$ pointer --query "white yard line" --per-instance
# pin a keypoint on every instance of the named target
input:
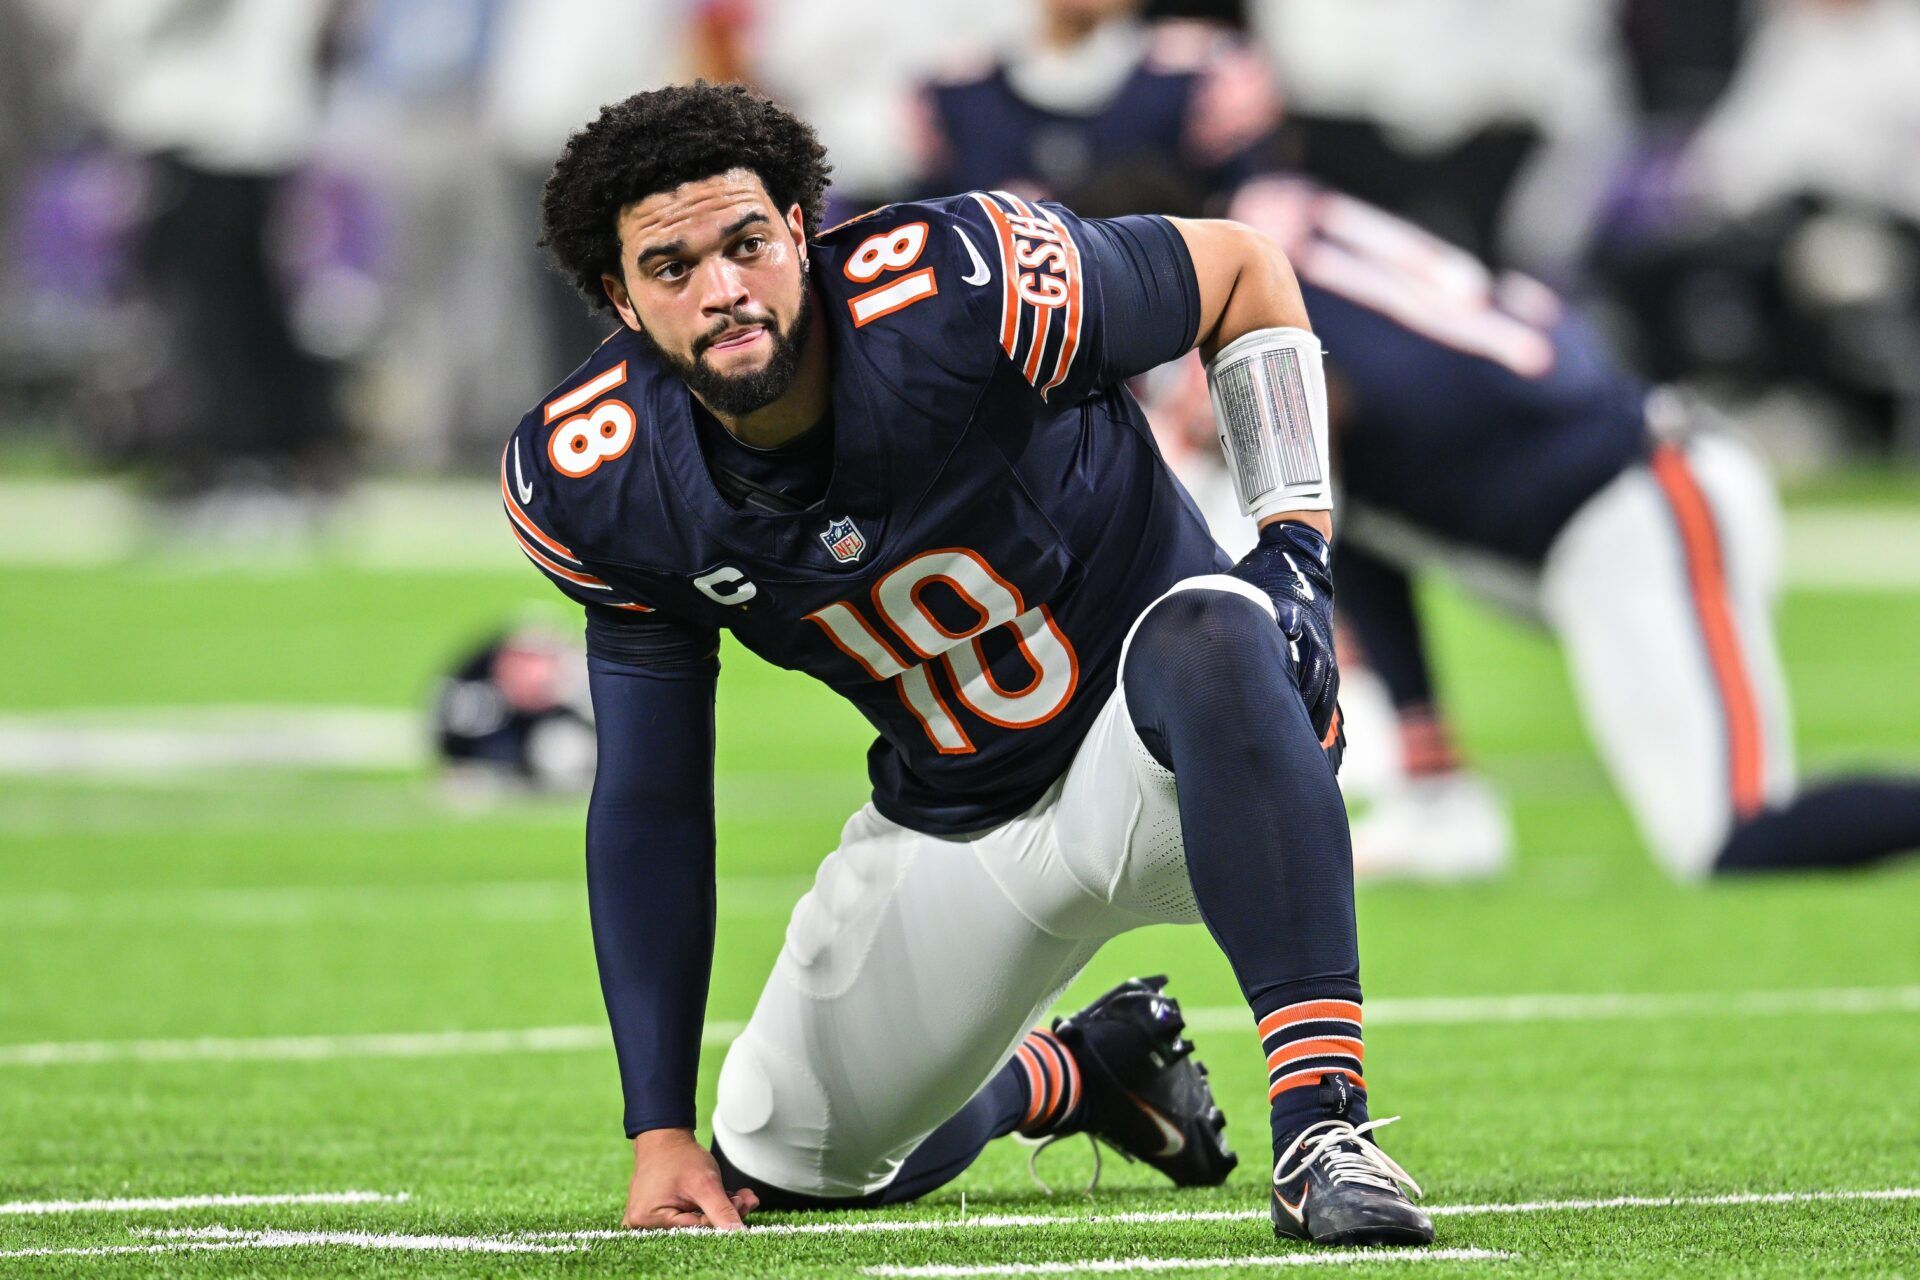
(424, 1044)
(1672, 1202)
(1441, 1011)
(510, 901)
(169, 740)
(213, 1239)
(151, 1204)
(1108, 1266)
(1417, 1011)
(1007, 1221)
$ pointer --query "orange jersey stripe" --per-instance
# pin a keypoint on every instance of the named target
(525, 521)
(1042, 316)
(1706, 579)
(1309, 1011)
(1009, 295)
(583, 579)
(1070, 343)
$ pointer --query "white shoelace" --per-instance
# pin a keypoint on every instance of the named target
(1037, 1145)
(1337, 1146)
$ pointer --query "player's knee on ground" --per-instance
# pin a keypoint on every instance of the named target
(1201, 659)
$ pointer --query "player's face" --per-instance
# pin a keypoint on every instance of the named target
(714, 276)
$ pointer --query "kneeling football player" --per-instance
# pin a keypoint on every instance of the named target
(898, 455)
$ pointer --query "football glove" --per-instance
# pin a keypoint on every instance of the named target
(1291, 563)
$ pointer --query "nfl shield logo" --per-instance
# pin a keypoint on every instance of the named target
(844, 540)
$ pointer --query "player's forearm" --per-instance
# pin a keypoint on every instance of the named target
(1247, 286)
(650, 884)
(653, 943)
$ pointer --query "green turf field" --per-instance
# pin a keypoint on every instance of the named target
(267, 982)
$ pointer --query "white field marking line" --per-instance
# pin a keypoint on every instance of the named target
(1440, 1011)
(167, 740)
(1108, 1266)
(1003, 1221)
(214, 1239)
(1672, 1202)
(152, 1204)
(425, 1044)
(1434, 1011)
(516, 901)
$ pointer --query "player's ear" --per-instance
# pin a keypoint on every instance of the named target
(616, 290)
(797, 224)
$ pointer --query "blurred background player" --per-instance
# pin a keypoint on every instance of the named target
(1483, 432)
(240, 420)
(1096, 107)
(514, 714)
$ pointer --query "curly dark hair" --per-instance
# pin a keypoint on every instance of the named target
(657, 140)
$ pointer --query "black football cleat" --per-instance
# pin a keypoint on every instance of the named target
(1145, 1094)
(1334, 1185)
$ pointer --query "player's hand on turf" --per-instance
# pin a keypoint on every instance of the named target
(677, 1184)
(1291, 564)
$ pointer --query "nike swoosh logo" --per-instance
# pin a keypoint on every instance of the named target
(1297, 1210)
(520, 484)
(979, 274)
(1306, 588)
(1172, 1141)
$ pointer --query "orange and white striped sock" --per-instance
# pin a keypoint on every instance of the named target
(1309, 1039)
(1053, 1083)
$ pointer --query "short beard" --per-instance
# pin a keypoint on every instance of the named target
(737, 395)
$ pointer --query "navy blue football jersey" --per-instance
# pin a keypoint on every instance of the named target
(1470, 404)
(996, 516)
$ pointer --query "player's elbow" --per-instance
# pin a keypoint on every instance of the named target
(1246, 282)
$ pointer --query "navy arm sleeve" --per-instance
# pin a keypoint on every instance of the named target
(650, 877)
(1149, 294)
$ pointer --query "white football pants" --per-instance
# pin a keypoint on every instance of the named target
(1661, 590)
(916, 963)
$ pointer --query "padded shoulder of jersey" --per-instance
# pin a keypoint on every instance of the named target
(561, 464)
(964, 281)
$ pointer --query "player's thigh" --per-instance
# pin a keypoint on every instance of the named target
(1119, 817)
(1666, 628)
(908, 976)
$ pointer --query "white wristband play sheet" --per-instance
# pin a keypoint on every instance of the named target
(1270, 406)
